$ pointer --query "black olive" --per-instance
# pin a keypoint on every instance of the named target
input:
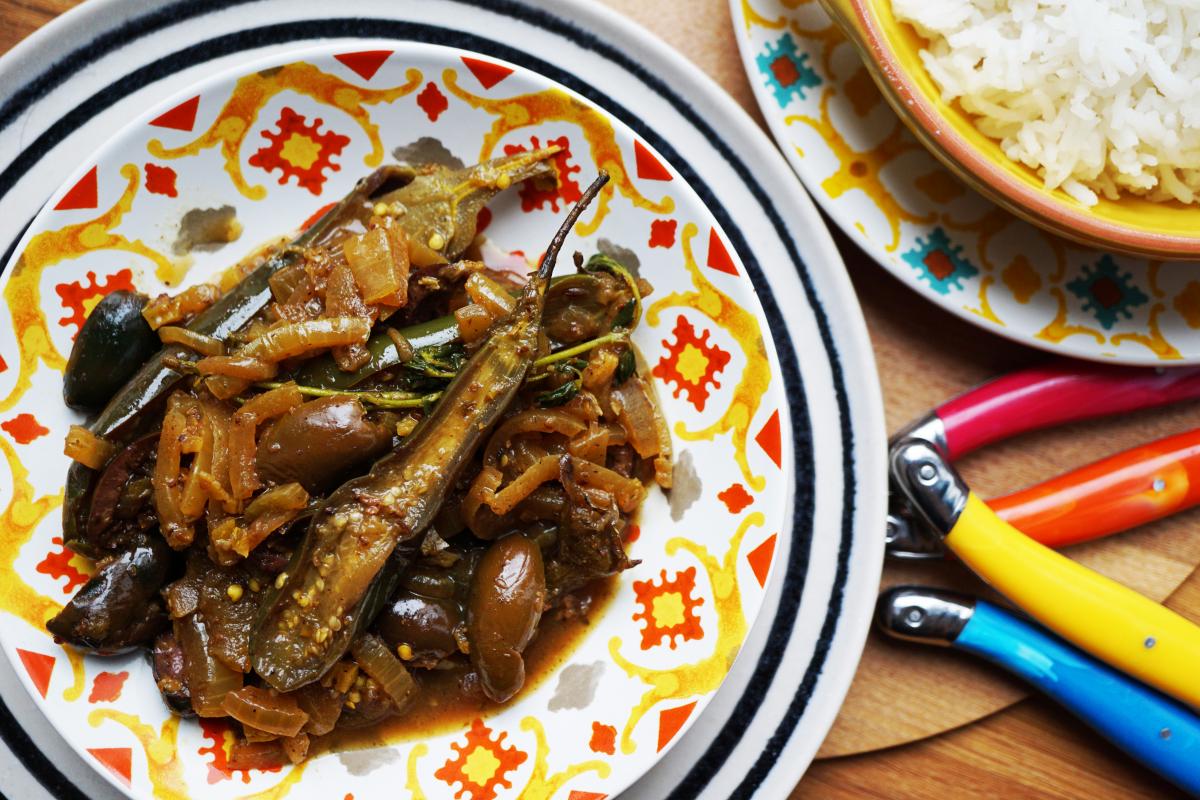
(112, 345)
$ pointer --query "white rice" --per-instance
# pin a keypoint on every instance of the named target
(1100, 97)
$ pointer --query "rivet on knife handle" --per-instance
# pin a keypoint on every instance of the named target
(1099, 615)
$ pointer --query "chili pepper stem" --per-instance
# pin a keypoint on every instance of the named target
(383, 399)
(591, 344)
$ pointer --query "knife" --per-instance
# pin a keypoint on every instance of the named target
(1157, 731)
(1045, 396)
(1100, 616)
(1113, 494)
(1028, 400)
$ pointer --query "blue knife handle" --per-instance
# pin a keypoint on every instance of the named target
(1159, 732)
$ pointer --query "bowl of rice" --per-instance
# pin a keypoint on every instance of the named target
(1080, 116)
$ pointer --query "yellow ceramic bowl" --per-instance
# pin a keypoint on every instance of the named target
(1161, 230)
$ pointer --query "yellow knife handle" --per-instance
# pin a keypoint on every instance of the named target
(1112, 622)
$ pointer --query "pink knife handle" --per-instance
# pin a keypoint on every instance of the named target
(1055, 394)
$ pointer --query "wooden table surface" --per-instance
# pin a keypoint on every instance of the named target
(924, 355)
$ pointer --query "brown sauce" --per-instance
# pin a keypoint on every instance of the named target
(442, 707)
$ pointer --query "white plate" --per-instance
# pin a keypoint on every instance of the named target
(946, 242)
(795, 666)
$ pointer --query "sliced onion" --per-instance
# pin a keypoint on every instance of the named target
(628, 491)
(270, 404)
(87, 448)
(505, 500)
(167, 470)
(209, 680)
(266, 710)
(241, 367)
(197, 342)
(375, 659)
(533, 420)
(298, 338)
(601, 366)
(256, 755)
(287, 497)
(489, 294)
(592, 446)
(286, 281)
(243, 472)
(167, 309)
(375, 258)
(323, 704)
(473, 321)
(295, 747)
(195, 493)
(637, 416)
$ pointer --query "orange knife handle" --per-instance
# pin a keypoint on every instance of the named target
(1114, 494)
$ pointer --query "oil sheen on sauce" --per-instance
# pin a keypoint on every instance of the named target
(442, 707)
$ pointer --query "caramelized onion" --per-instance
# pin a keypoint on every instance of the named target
(167, 470)
(297, 338)
(489, 294)
(243, 368)
(197, 342)
(256, 755)
(87, 448)
(167, 310)
(375, 659)
(209, 680)
(379, 261)
(473, 321)
(265, 710)
(533, 420)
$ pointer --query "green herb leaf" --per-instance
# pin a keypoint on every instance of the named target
(624, 317)
(626, 366)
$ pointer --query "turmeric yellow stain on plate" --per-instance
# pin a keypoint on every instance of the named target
(17, 524)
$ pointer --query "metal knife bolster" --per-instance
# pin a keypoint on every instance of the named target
(935, 491)
(930, 428)
(921, 614)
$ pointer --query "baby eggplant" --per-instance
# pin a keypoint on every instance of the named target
(320, 441)
(120, 512)
(119, 608)
(111, 346)
(426, 625)
(508, 593)
(309, 621)
(170, 673)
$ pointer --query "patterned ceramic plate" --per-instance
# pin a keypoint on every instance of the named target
(924, 226)
(776, 513)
